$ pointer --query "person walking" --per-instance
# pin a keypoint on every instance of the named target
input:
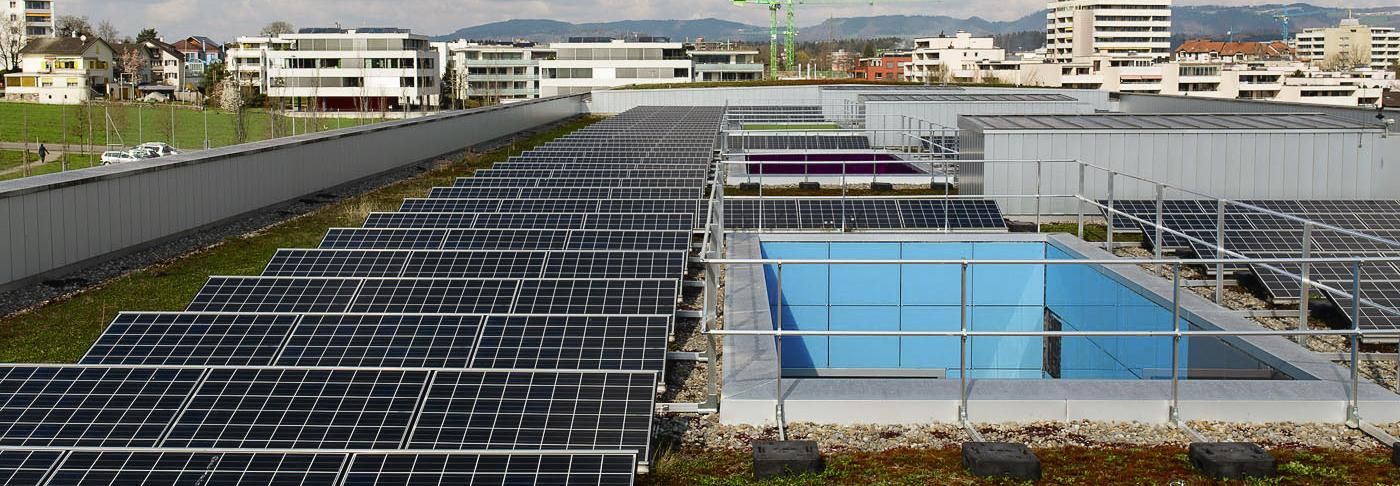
(43, 153)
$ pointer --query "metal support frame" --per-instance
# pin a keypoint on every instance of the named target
(1079, 203)
(1220, 251)
(1305, 290)
(1112, 213)
(778, 346)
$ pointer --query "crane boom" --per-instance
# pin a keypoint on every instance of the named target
(790, 34)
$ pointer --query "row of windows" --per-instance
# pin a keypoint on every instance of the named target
(361, 44)
(357, 63)
(347, 82)
(652, 73)
(620, 54)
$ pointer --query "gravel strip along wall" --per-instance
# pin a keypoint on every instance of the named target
(59, 223)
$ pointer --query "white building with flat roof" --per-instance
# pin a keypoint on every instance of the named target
(495, 72)
(359, 70)
(249, 59)
(1350, 44)
(587, 64)
(714, 63)
(22, 21)
(1118, 29)
(945, 59)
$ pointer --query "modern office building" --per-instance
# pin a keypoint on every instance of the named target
(585, 64)
(1350, 45)
(332, 69)
(714, 62)
(1122, 30)
(494, 72)
(955, 58)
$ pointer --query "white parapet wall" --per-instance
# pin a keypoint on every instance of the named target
(57, 223)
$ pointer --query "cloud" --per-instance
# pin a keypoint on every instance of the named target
(226, 19)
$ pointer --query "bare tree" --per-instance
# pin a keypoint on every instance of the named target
(11, 41)
(133, 64)
(277, 28)
(108, 32)
(1346, 60)
(230, 98)
(71, 25)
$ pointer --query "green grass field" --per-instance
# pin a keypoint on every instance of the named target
(133, 124)
(10, 162)
(62, 330)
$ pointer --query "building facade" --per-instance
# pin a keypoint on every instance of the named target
(349, 70)
(713, 63)
(888, 66)
(943, 58)
(199, 52)
(1219, 51)
(21, 21)
(585, 64)
(494, 72)
(161, 70)
(1350, 45)
(1121, 30)
(63, 71)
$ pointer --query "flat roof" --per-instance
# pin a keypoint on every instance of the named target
(889, 87)
(1166, 121)
(964, 97)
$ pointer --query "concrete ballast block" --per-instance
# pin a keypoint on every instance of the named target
(780, 458)
(809, 186)
(1232, 460)
(1001, 459)
(748, 186)
(881, 186)
(1395, 454)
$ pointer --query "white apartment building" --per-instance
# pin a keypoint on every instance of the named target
(355, 70)
(1350, 45)
(720, 63)
(250, 59)
(495, 72)
(944, 59)
(587, 64)
(62, 71)
(22, 20)
(1121, 30)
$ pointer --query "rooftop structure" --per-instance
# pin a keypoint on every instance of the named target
(1350, 45)
(944, 59)
(1121, 30)
(586, 64)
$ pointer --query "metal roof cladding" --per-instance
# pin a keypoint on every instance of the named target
(890, 87)
(964, 97)
(1165, 121)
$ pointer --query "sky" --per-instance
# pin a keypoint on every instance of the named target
(225, 19)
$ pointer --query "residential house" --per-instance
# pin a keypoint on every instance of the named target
(250, 58)
(200, 52)
(944, 58)
(68, 70)
(1213, 51)
(495, 71)
(366, 69)
(720, 62)
(888, 66)
(163, 70)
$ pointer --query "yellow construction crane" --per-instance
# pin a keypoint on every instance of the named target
(790, 36)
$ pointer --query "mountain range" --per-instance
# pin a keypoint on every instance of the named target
(1256, 22)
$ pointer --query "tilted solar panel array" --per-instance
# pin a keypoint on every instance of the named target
(1257, 234)
(485, 335)
(854, 214)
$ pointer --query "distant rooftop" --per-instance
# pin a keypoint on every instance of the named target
(361, 30)
(890, 87)
(1173, 121)
(964, 97)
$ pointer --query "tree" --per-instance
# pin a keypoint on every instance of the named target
(11, 41)
(108, 32)
(213, 75)
(147, 34)
(133, 65)
(230, 98)
(71, 25)
(277, 28)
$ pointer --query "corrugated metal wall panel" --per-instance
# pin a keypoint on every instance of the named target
(61, 220)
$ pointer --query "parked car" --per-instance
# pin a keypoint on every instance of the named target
(160, 148)
(143, 153)
(117, 157)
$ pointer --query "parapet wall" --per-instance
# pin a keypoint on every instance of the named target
(56, 223)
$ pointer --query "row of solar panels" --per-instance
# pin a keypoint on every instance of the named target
(1257, 234)
(856, 214)
(584, 221)
(605, 206)
(173, 467)
(393, 342)
(798, 142)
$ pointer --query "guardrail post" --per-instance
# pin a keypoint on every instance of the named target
(1079, 203)
(1305, 289)
(1354, 407)
(1108, 224)
(1220, 251)
(962, 348)
(761, 171)
(1157, 234)
(1174, 412)
(778, 347)
(1038, 192)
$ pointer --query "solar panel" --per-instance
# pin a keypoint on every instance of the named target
(525, 410)
(421, 220)
(576, 183)
(26, 467)
(382, 341)
(435, 296)
(629, 240)
(191, 339)
(274, 294)
(862, 214)
(529, 220)
(475, 264)
(502, 239)
(450, 205)
(187, 467)
(575, 469)
(383, 239)
(335, 263)
(573, 343)
(646, 297)
(72, 406)
(615, 264)
(279, 408)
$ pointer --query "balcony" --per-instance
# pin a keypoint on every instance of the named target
(501, 62)
(729, 68)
